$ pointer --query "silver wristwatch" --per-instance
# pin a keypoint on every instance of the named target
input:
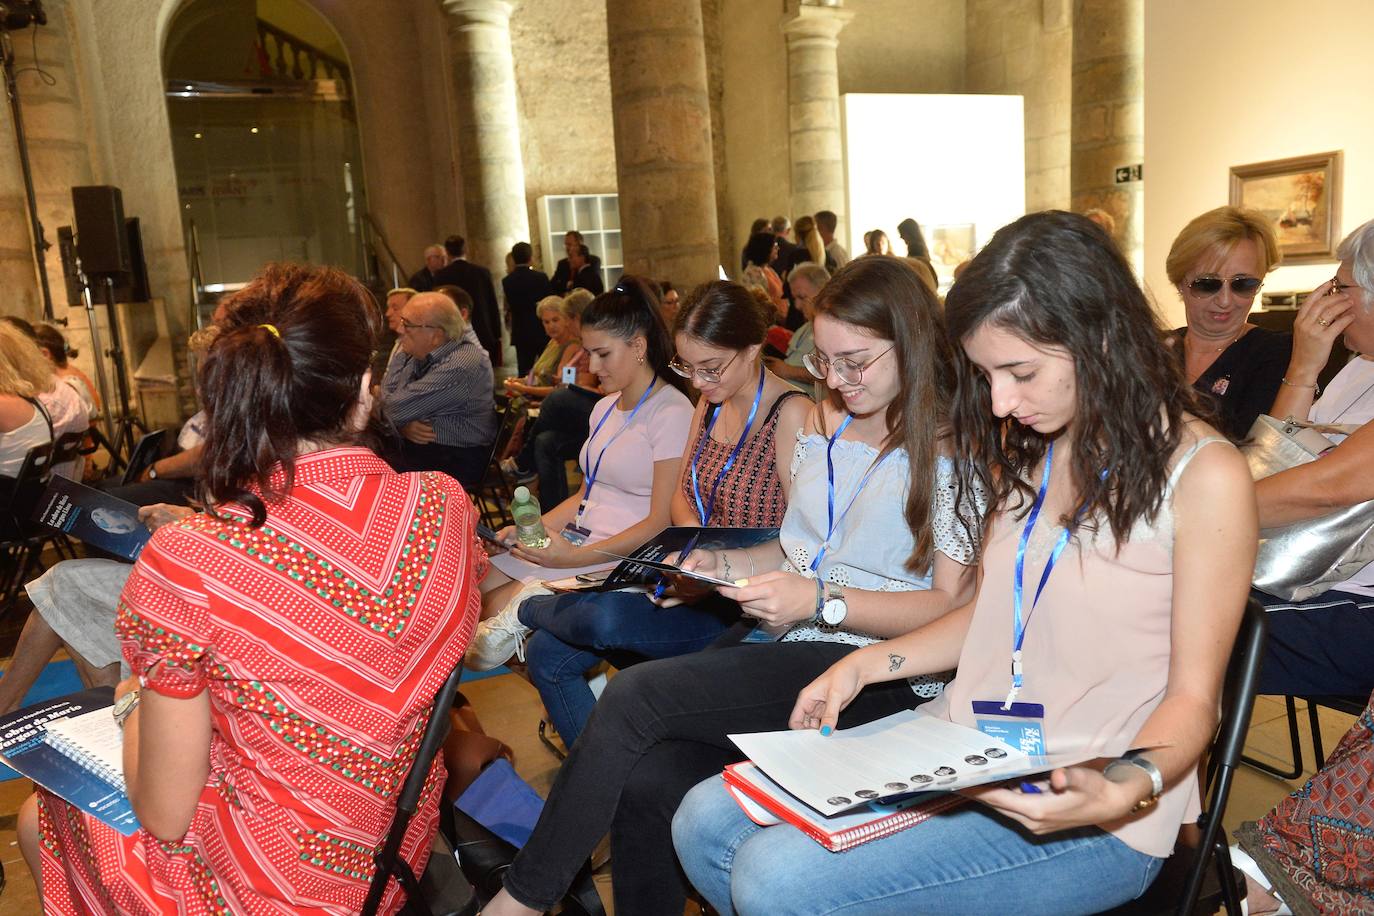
(1136, 759)
(125, 706)
(833, 608)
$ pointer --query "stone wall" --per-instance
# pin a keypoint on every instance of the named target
(903, 46)
(562, 77)
(1024, 47)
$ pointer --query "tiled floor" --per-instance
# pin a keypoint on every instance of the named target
(509, 708)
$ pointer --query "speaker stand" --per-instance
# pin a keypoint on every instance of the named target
(120, 421)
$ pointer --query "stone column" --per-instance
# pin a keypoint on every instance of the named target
(1108, 128)
(661, 108)
(492, 171)
(813, 107)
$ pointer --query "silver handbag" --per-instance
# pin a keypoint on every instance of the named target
(1305, 559)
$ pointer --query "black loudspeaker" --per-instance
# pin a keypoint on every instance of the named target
(101, 237)
(66, 246)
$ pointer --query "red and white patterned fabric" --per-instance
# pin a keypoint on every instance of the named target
(322, 637)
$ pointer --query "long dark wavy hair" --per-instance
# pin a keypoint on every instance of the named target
(885, 298)
(1055, 279)
(264, 392)
(630, 309)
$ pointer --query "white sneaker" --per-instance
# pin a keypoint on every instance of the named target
(498, 639)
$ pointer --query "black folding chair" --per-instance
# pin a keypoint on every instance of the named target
(21, 540)
(494, 494)
(1179, 888)
(1350, 705)
(442, 890)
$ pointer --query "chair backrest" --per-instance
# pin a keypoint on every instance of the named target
(389, 861)
(21, 492)
(1238, 700)
(145, 453)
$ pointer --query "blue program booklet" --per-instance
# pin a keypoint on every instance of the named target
(72, 772)
(92, 516)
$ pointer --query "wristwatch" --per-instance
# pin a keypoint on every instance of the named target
(832, 607)
(152, 471)
(1136, 759)
(124, 706)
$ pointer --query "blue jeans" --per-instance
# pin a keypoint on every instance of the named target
(968, 860)
(574, 632)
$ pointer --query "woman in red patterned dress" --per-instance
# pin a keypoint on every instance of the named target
(288, 643)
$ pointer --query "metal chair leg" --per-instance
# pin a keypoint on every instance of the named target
(1290, 707)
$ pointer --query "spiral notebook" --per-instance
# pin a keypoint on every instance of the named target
(95, 741)
(767, 803)
(72, 747)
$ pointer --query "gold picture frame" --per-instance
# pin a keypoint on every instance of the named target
(1302, 197)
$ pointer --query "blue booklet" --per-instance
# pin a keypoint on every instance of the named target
(75, 772)
(92, 516)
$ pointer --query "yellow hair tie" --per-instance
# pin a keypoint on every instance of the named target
(273, 329)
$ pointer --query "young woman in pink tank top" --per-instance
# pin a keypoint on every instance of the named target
(1116, 554)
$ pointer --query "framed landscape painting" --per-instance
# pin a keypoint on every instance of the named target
(1302, 198)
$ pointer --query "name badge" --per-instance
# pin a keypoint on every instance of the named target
(575, 534)
(1022, 726)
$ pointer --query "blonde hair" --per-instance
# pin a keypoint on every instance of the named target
(1211, 237)
(810, 238)
(556, 303)
(24, 371)
(576, 301)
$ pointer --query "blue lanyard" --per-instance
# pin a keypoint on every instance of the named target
(594, 469)
(832, 521)
(1018, 625)
(704, 512)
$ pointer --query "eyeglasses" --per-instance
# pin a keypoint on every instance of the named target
(846, 370)
(408, 325)
(1209, 285)
(708, 376)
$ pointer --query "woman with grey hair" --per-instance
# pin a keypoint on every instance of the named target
(1325, 644)
(563, 328)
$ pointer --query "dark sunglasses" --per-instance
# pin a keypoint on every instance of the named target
(1211, 285)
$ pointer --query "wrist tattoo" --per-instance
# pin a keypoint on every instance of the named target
(894, 661)
(725, 561)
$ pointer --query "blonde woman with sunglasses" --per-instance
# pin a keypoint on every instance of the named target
(1217, 264)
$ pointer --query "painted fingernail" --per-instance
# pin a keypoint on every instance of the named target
(825, 731)
(741, 583)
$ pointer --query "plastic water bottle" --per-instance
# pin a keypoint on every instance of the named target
(529, 521)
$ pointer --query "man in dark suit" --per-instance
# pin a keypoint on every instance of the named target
(564, 276)
(422, 281)
(475, 280)
(781, 227)
(524, 287)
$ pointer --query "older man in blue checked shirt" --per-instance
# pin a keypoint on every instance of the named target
(438, 392)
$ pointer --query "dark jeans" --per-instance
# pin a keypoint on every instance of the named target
(659, 729)
(464, 463)
(574, 632)
(1324, 645)
(556, 436)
